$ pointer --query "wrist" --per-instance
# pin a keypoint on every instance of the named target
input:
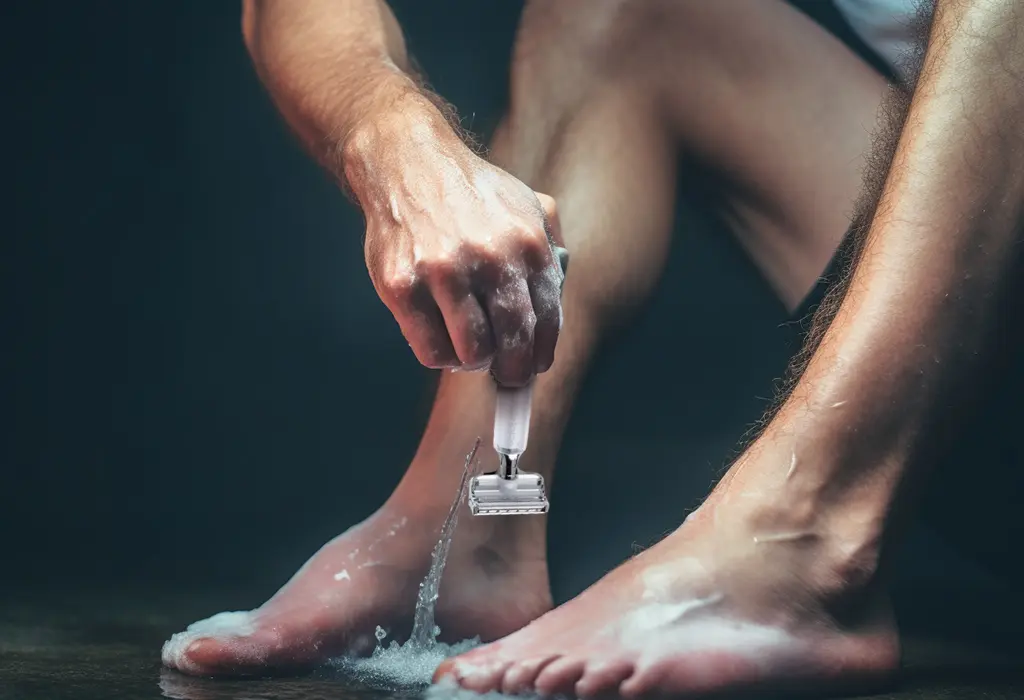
(379, 149)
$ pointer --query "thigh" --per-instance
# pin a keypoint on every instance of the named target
(780, 112)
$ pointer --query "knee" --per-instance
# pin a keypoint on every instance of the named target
(565, 48)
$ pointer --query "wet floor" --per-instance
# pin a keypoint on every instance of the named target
(106, 646)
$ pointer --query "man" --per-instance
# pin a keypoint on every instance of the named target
(777, 577)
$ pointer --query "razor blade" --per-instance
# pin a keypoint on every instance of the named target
(507, 492)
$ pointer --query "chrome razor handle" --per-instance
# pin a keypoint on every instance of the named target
(508, 467)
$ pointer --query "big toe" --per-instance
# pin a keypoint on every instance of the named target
(480, 670)
(225, 644)
(209, 656)
(445, 671)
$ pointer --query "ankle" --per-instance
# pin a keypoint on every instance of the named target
(814, 471)
(820, 509)
(497, 541)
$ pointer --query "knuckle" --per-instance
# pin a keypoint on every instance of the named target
(437, 266)
(502, 304)
(550, 207)
(548, 316)
(473, 255)
(401, 284)
(533, 242)
(519, 334)
(534, 235)
(510, 311)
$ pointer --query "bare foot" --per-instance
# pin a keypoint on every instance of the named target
(370, 576)
(740, 596)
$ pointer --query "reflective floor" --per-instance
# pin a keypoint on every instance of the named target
(106, 645)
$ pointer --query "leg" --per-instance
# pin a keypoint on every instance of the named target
(610, 165)
(741, 593)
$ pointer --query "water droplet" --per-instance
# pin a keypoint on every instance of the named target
(380, 633)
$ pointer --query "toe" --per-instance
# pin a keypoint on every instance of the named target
(177, 653)
(209, 644)
(560, 676)
(603, 678)
(228, 656)
(208, 656)
(521, 676)
(481, 670)
(445, 670)
(483, 678)
(649, 679)
(198, 656)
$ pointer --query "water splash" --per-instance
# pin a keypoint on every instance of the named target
(399, 666)
(424, 631)
(413, 663)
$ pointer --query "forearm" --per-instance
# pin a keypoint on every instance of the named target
(941, 250)
(337, 69)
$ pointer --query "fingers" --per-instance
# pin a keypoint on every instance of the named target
(467, 323)
(427, 333)
(545, 292)
(412, 303)
(513, 331)
(526, 311)
(481, 303)
(510, 311)
(494, 327)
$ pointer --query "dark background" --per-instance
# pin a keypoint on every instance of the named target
(202, 386)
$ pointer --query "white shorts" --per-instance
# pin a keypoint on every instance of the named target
(884, 25)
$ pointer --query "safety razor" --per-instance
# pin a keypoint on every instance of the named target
(509, 491)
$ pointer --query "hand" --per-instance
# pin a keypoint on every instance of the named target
(461, 253)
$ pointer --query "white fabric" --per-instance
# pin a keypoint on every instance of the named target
(884, 25)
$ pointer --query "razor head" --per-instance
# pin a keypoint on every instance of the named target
(490, 494)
